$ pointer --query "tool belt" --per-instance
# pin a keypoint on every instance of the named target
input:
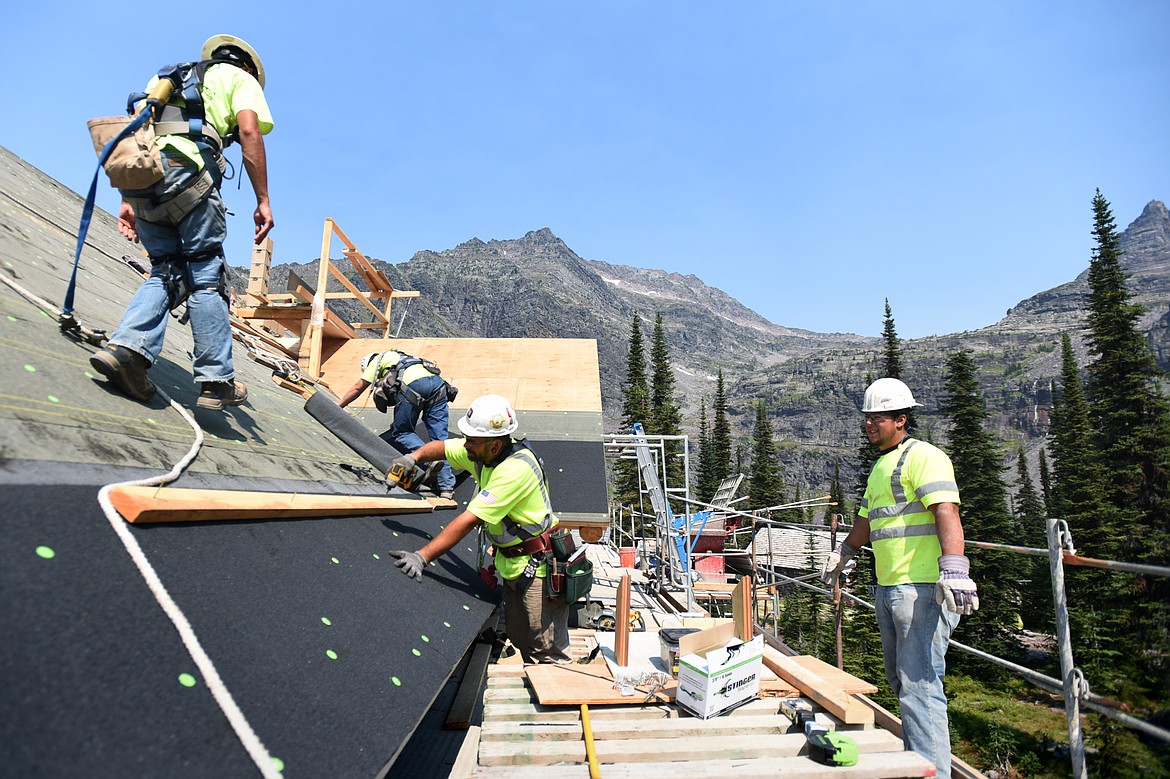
(533, 546)
(568, 574)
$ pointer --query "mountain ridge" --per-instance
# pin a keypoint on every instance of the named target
(537, 286)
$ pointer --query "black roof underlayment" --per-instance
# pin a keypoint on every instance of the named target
(331, 655)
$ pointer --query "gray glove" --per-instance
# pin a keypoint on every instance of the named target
(955, 588)
(411, 563)
(837, 563)
(401, 468)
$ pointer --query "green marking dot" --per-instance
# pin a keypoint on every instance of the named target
(426, 638)
(325, 621)
(330, 654)
(416, 653)
(278, 764)
(376, 556)
(335, 561)
(150, 421)
(30, 369)
(433, 563)
(46, 552)
(446, 624)
(187, 680)
(466, 607)
(54, 399)
(11, 318)
(396, 680)
(395, 532)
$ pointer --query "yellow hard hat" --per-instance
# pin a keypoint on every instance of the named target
(216, 42)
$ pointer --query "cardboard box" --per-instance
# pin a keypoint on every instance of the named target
(717, 671)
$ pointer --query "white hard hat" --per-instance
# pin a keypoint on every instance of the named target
(219, 41)
(888, 395)
(369, 358)
(488, 416)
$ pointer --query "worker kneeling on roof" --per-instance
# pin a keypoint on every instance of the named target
(414, 388)
(513, 508)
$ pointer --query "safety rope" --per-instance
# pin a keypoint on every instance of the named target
(247, 736)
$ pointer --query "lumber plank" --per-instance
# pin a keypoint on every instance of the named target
(621, 635)
(834, 700)
(459, 715)
(834, 675)
(468, 755)
(741, 609)
(141, 505)
(882, 765)
(729, 747)
(592, 684)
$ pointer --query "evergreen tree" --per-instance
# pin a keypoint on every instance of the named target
(721, 435)
(1132, 432)
(1078, 498)
(1045, 483)
(1036, 607)
(836, 494)
(635, 409)
(764, 487)
(892, 349)
(977, 460)
(705, 481)
(665, 412)
(866, 453)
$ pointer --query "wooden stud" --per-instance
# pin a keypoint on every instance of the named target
(741, 609)
(621, 634)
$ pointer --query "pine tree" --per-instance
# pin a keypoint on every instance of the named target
(665, 412)
(635, 409)
(705, 484)
(978, 470)
(1078, 498)
(1132, 432)
(1045, 483)
(765, 486)
(892, 349)
(720, 435)
(1036, 607)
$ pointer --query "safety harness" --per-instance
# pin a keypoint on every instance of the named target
(515, 539)
(187, 119)
(389, 386)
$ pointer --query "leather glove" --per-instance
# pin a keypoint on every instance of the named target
(955, 588)
(411, 563)
(836, 563)
(400, 467)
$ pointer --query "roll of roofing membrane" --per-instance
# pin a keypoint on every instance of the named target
(352, 432)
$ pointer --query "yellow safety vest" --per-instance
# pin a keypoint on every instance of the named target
(904, 483)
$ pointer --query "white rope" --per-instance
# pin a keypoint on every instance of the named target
(219, 691)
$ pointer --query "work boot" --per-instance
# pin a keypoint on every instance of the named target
(216, 395)
(447, 494)
(126, 370)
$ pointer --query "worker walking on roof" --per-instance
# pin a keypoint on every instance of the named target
(415, 389)
(513, 508)
(181, 223)
(910, 516)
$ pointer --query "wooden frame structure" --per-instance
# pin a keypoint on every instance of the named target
(305, 313)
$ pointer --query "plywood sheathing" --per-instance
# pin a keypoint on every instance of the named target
(535, 374)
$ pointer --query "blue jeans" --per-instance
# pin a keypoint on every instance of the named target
(435, 418)
(915, 634)
(144, 323)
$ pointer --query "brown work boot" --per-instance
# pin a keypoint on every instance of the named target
(126, 370)
(216, 395)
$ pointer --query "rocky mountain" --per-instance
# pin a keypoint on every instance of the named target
(536, 286)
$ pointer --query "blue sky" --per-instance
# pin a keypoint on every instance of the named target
(811, 158)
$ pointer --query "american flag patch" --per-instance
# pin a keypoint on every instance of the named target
(487, 497)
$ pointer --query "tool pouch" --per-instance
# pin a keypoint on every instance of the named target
(554, 579)
(135, 163)
(578, 579)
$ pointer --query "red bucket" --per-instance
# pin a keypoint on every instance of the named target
(626, 555)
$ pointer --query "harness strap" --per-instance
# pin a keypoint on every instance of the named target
(174, 210)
